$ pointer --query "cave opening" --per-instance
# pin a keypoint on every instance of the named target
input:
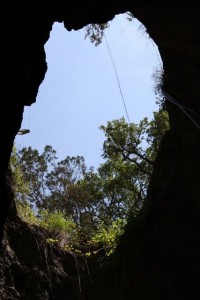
(159, 258)
(80, 91)
(86, 87)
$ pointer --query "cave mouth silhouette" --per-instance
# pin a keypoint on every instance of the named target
(161, 260)
(65, 71)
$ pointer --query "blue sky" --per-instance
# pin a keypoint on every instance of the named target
(80, 90)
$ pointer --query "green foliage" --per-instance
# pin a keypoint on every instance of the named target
(155, 131)
(21, 187)
(131, 150)
(34, 168)
(56, 222)
(107, 237)
(26, 213)
(52, 241)
(95, 32)
(78, 205)
(65, 192)
(59, 227)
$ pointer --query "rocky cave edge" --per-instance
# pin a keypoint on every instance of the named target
(159, 258)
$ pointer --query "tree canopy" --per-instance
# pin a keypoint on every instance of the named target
(92, 199)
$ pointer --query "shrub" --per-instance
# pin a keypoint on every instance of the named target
(57, 223)
(26, 213)
(107, 237)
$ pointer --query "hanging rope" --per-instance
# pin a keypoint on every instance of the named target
(117, 77)
(186, 110)
(183, 108)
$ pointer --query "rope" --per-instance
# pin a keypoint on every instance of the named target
(117, 77)
(183, 108)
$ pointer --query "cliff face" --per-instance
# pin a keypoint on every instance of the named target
(160, 257)
(32, 268)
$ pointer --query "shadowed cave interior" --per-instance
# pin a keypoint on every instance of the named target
(158, 257)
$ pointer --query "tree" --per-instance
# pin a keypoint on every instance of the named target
(131, 150)
(65, 192)
(117, 187)
(34, 169)
(134, 147)
(21, 188)
(95, 32)
(120, 183)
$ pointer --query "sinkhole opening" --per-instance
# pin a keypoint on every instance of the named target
(89, 155)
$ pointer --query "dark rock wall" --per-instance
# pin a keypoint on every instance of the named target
(33, 269)
(173, 221)
(167, 264)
